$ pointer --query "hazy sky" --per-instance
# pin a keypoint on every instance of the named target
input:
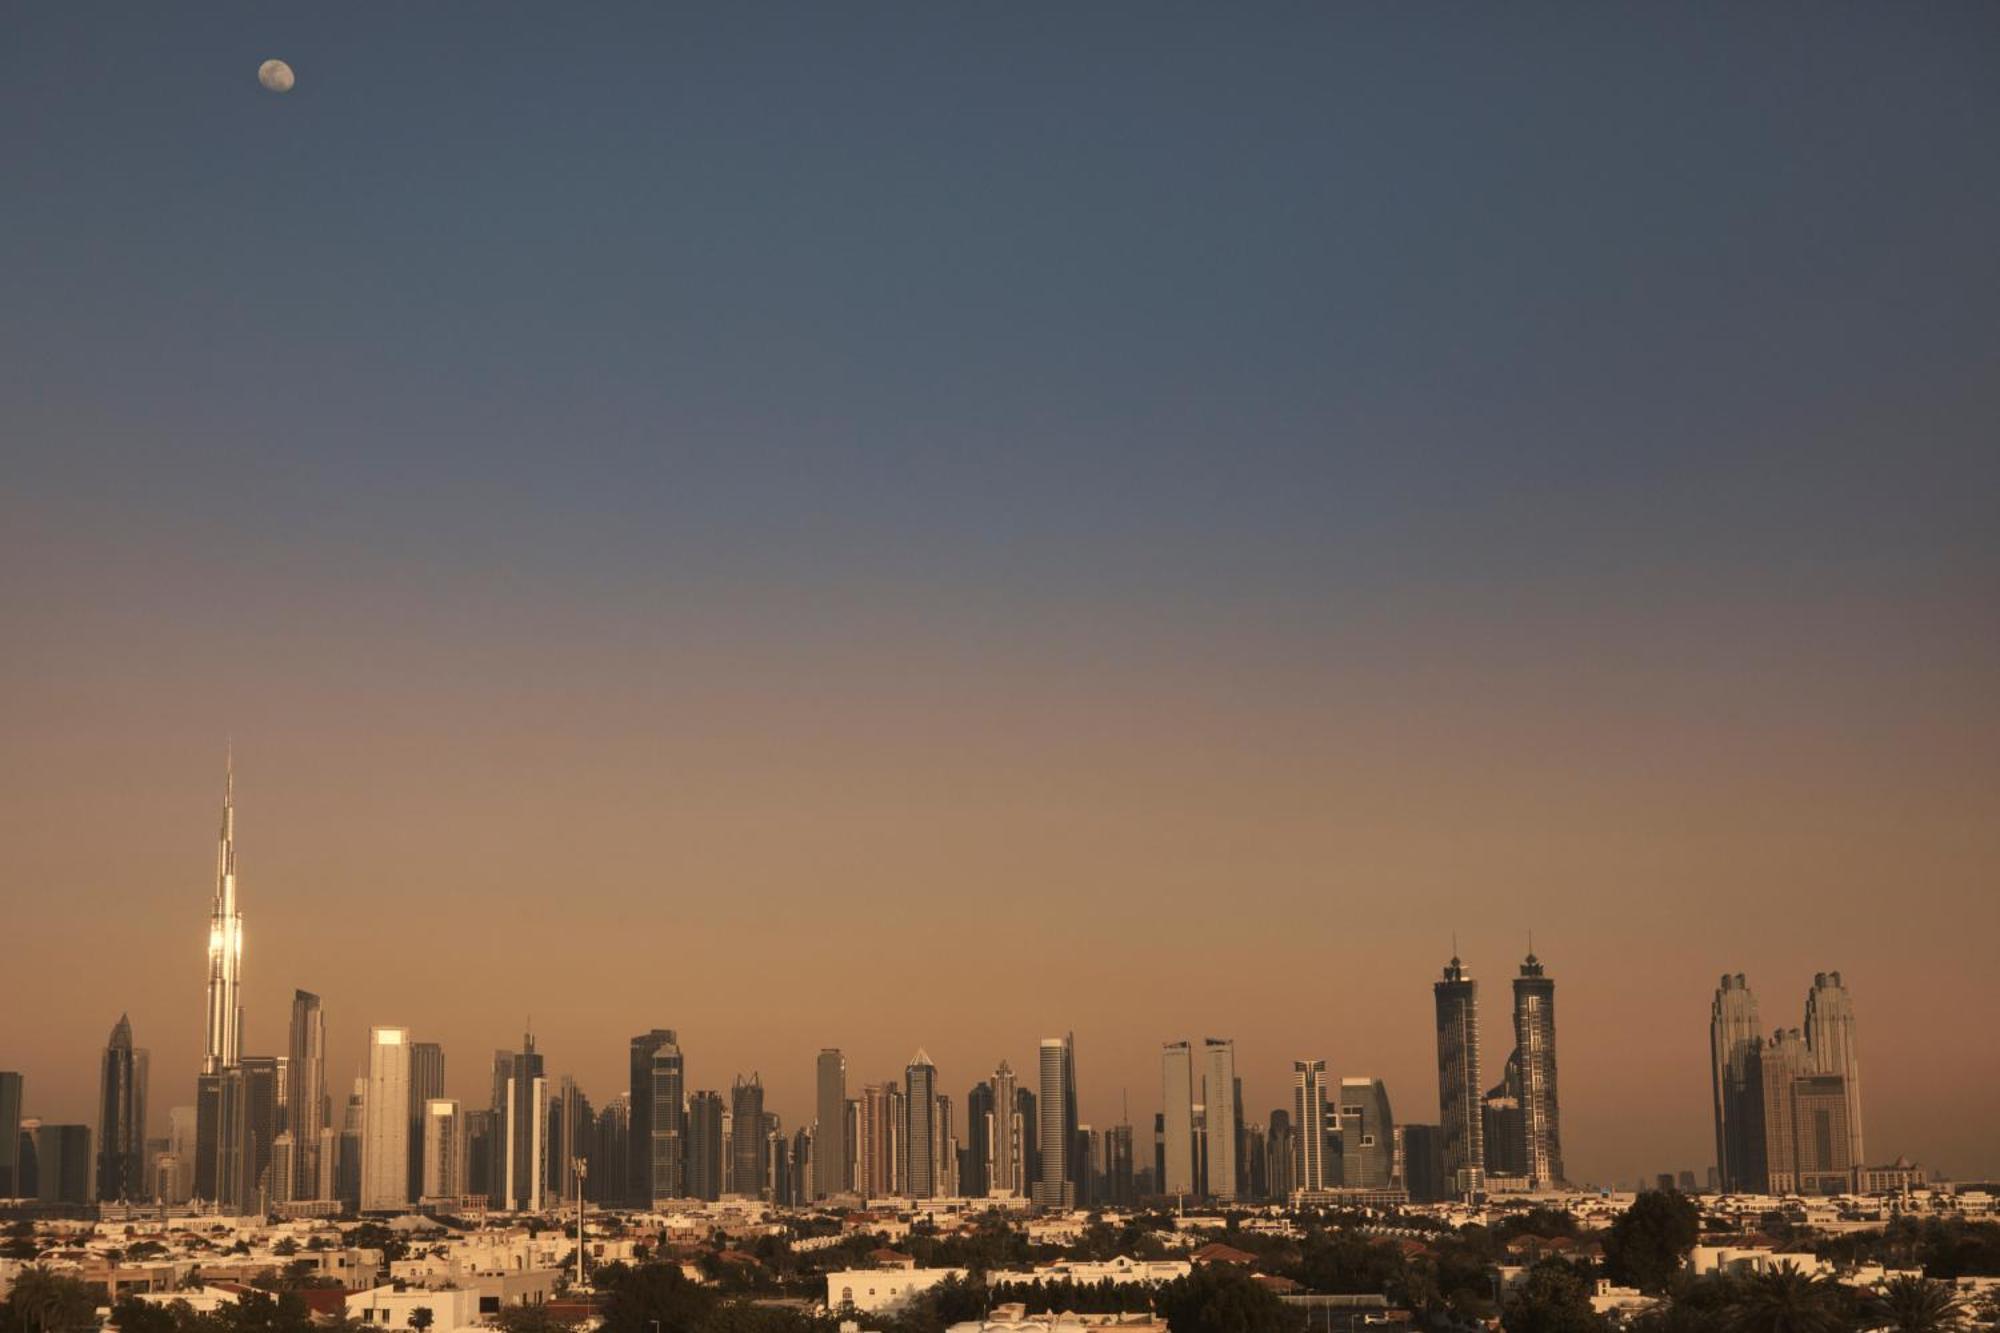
(931, 525)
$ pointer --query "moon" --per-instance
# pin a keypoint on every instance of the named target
(276, 76)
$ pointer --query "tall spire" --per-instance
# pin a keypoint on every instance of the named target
(223, 1044)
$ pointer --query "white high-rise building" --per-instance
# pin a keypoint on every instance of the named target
(1004, 1156)
(444, 1149)
(1309, 1124)
(1219, 1076)
(1830, 1040)
(385, 1122)
(1177, 1102)
(223, 1047)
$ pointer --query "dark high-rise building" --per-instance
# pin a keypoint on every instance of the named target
(751, 1150)
(666, 1120)
(254, 1122)
(1423, 1163)
(306, 1099)
(426, 1083)
(1257, 1179)
(1031, 1143)
(920, 1130)
(976, 1169)
(609, 1175)
(639, 1180)
(347, 1171)
(1502, 1127)
(11, 1084)
(1120, 1188)
(483, 1147)
(1281, 1154)
(572, 1135)
(62, 1164)
(1159, 1172)
(1459, 1107)
(829, 1139)
(705, 1145)
(1735, 1043)
(121, 1119)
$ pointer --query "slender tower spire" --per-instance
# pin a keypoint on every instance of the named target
(223, 1046)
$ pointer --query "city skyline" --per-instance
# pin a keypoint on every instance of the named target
(1508, 1146)
(935, 528)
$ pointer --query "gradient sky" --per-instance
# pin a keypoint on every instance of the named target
(907, 525)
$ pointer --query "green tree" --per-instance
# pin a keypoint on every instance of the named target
(43, 1301)
(1647, 1244)
(421, 1318)
(133, 1315)
(1220, 1298)
(637, 1298)
(1554, 1297)
(1786, 1299)
(1917, 1305)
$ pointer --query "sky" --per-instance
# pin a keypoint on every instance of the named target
(917, 525)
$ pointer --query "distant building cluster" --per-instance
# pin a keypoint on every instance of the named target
(266, 1134)
(1787, 1107)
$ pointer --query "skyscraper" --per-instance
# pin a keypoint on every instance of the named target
(921, 1127)
(1177, 1098)
(1780, 1065)
(1006, 1165)
(121, 1118)
(1282, 1167)
(1224, 1116)
(426, 1085)
(1308, 1125)
(1119, 1186)
(305, 1098)
(1367, 1135)
(829, 1142)
(1735, 1043)
(1829, 1031)
(1055, 1185)
(705, 1141)
(222, 1041)
(444, 1149)
(609, 1178)
(385, 1122)
(1459, 1105)
(666, 1117)
(11, 1086)
(526, 1130)
(750, 1153)
(1535, 1069)
(640, 1190)
(975, 1174)
(62, 1164)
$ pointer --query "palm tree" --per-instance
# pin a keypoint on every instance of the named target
(1786, 1299)
(1911, 1304)
(48, 1301)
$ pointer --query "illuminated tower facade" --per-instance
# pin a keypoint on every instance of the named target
(224, 1046)
(1459, 1105)
(1535, 1061)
